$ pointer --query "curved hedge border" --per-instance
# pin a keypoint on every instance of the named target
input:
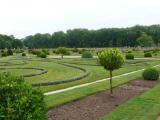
(82, 64)
(55, 82)
(43, 71)
(11, 63)
(5, 63)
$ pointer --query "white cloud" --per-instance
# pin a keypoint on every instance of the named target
(25, 17)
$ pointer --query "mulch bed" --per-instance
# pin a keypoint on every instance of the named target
(96, 106)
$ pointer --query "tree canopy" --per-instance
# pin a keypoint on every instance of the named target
(74, 38)
(9, 42)
(106, 37)
(145, 41)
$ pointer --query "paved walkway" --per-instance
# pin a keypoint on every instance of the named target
(87, 84)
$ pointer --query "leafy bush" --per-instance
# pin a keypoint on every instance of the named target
(147, 54)
(151, 74)
(46, 51)
(23, 54)
(87, 54)
(129, 56)
(35, 52)
(19, 101)
(42, 55)
(9, 52)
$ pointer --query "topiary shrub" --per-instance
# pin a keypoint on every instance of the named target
(151, 74)
(9, 52)
(19, 101)
(46, 51)
(129, 56)
(147, 54)
(42, 55)
(111, 59)
(23, 54)
(87, 54)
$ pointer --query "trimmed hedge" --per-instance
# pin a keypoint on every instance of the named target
(151, 74)
(43, 71)
(147, 54)
(23, 54)
(87, 54)
(55, 82)
(42, 55)
(10, 63)
(129, 56)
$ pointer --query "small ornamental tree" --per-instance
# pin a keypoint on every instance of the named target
(62, 51)
(19, 101)
(111, 59)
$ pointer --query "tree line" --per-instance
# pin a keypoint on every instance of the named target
(105, 37)
(10, 42)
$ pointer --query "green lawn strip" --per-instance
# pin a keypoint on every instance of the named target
(55, 72)
(69, 96)
(97, 73)
(144, 107)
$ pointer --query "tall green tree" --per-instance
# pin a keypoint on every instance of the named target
(145, 40)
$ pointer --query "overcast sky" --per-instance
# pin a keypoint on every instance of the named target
(26, 17)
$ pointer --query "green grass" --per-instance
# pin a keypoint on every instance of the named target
(20, 71)
(69, 96)
(97, 73)
(60, 72)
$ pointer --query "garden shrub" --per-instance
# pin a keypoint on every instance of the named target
(87, 54)
(19, 101)
(9, 52)
(42, 55)
(23, 54)
(129, 56)
(147, 54)
(46, 51)
(151, 74)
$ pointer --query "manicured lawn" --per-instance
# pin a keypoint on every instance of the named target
(69, 96)
(60, 72)
(97, 73)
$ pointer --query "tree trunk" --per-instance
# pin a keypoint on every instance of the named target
(61, 56)
(111, 89)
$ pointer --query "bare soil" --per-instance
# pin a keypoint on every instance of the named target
(96, 106)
